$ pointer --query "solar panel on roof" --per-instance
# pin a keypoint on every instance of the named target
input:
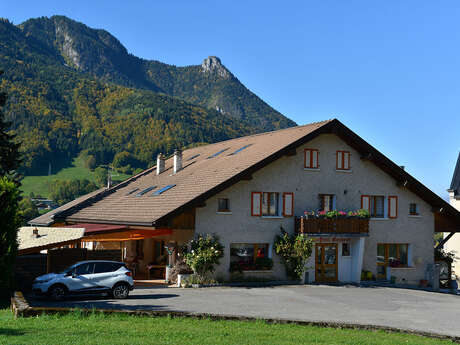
(131, 192)
(146, 190)
(164, 189)
(240, 149)
(218, 153)
(193, 157)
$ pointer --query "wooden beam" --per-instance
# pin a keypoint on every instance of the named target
(291, 152)
(444, 240)
(247, 177)
(366, 157)
(402, 183)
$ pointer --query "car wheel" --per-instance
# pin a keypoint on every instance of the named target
(57, 292)
(120, 291)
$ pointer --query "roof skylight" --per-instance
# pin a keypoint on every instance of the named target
(193, 157)
(164, 189)
(240, 149)
(132, 191)
(218, 153)
(146, 190)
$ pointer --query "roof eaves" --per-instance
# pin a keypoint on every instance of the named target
(325, 127)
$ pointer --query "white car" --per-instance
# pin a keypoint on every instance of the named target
(86, 277)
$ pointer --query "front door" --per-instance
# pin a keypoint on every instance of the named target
(326, 262)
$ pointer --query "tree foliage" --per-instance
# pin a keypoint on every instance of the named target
(68, 190)
(294, 250)
(100, 175)
(27, 210)
(10, 222)
(106, 101)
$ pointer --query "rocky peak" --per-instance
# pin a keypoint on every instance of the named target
(212, 64)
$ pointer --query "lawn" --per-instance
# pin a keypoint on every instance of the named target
(76, 328)
(39, 184)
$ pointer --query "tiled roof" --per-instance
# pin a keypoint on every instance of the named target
(47, 236)
(455, 184)
(200, 174)
(47, 218)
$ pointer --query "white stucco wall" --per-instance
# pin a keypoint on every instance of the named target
(453, 244)
(288, 175)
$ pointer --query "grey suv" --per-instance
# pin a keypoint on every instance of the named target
(87, 277)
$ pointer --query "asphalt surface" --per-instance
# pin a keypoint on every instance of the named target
(391, 307)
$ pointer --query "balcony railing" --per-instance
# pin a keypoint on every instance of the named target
(306, 225)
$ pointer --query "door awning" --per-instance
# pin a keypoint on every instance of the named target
(128, 235)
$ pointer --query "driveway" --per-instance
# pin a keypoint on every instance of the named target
(400, 308)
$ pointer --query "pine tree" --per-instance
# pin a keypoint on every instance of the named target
(9, 149)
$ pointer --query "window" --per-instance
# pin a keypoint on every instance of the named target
(270, 204)
(326, 202)
(164, 189)
(240, 149)
(311, 159)
(413, 209)
(104, 267)
(391, 254)
(346, 249)
(377, 205)
(84, 269)
(146, 190)
(223, 205)
(343, 160)
(217, 153)
(249, 257)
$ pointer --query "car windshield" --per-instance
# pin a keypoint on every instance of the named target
(68, 269)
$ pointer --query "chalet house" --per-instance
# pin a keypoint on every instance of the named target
(245, 190)
(453, 245)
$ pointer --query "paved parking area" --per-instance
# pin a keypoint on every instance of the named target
(401, 308)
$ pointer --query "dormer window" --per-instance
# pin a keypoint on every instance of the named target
(311, 159)
(343, 160)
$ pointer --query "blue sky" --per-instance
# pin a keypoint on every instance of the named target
(390, 70)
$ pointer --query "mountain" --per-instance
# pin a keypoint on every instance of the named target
(72, 88)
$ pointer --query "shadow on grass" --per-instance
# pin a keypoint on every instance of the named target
(10, 332)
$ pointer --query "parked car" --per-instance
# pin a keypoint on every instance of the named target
(86, 277)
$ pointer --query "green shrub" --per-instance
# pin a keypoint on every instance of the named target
(202, 253)
(10, 222)
(294, 251)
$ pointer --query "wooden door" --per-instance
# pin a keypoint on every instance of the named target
(326, 262)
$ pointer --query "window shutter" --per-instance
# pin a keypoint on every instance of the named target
(314, 159)
(288, 204)
(366, 202)
(256, 203)
(392, 206)
(346, 160)
(339, 160)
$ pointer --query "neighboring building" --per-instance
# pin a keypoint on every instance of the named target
(246, 189)
(453, 244)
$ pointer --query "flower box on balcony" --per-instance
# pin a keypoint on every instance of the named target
(306, 225)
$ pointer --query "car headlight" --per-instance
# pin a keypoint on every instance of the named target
(42, 281)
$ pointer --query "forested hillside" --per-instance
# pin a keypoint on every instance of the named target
(73, 89)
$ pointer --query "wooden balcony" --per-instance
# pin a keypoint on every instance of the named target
(305, 225)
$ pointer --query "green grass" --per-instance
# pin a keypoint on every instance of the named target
(39, 185)
(95, 328)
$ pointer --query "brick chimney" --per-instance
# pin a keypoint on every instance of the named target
(177, 161)
(160, 163)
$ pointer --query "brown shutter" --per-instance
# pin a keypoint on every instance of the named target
(366, 202)
(288, 204)
(392, 206)
(256, 204)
